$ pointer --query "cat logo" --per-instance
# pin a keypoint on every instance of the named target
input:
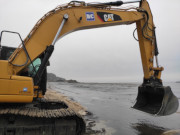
(108, 17)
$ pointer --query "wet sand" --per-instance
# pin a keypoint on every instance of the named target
(110, 112)
(92, 128)
(54, 95)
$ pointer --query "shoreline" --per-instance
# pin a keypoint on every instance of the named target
(93, 125)
(56, 95)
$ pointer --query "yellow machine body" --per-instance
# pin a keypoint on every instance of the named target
(13, 88)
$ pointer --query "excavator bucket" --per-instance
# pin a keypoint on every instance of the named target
(156, 100)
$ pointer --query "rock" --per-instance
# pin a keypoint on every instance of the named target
(72, 81)
(53, 78)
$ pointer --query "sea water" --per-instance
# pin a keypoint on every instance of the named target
(110, 104)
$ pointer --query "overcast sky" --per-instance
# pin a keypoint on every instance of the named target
(99, 55)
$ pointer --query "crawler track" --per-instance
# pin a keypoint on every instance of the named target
(40, 117)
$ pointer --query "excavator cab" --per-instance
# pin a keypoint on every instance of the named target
(156, 99)
(6, 52)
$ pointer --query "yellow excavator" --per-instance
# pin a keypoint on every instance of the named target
(23, 74)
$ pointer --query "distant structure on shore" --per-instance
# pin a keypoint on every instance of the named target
(178, 82)
(53, 78)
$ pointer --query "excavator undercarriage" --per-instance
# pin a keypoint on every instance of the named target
(40, 118)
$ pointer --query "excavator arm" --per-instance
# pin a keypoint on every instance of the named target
(80, 17)
(152, 98)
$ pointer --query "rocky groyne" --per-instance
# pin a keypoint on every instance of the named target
(53, 78)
